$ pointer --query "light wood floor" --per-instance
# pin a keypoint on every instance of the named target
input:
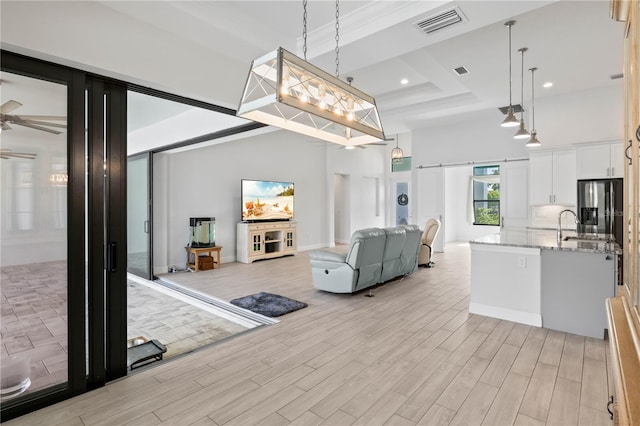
(410, 355)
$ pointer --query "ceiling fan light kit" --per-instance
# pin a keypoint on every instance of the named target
(286, 91)
(510, 120)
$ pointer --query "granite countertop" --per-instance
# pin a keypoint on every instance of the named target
(546, 239)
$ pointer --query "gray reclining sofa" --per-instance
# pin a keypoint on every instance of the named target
(375, 256)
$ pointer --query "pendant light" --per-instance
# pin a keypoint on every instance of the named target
(533, 140)
(522, 133)
(510, 120)
(396, 153)
(286, 91)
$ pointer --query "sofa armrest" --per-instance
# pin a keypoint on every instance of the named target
(327, 256)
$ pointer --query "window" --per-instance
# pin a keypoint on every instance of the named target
(486, 195)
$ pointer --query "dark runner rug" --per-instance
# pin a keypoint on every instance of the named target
(268, 304)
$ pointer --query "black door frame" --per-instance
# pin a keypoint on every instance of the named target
(105, 291)
(95, 357)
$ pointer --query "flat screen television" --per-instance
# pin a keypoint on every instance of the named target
(264, 200)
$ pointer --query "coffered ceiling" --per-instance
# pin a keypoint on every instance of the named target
(574, 44)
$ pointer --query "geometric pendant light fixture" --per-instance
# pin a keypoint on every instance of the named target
(533, 140)
(285, 91)
(522, 133)
(510, 120)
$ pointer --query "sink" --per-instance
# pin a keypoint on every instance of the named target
(588, 238)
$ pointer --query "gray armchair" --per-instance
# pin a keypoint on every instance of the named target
(359, 268)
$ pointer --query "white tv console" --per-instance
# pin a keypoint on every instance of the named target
(265, 240)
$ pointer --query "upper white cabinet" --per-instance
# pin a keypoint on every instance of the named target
(514, 194)
(552, 177)
(599, 161)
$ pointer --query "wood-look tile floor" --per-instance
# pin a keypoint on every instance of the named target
(33, 320)
(411, 355)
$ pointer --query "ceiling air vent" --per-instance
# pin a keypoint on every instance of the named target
(461, 70)
(441, 20)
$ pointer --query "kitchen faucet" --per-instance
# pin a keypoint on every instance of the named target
(560, 222)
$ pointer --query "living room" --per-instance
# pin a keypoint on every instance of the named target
(206, 181)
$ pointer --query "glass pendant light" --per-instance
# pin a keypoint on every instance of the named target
(396, 153)
(510, 120)
(522, 132)
(533, 140)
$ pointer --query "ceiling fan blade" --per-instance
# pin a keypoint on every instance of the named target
(6, 153)
(5, 126)
(25, 156)
(37, 122)
(9, 106)
(43, 117)
(33, 126)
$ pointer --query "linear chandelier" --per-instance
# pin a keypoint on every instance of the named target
(286, 91)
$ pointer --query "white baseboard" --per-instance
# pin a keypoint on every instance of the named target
(506, 314)
(312, 247)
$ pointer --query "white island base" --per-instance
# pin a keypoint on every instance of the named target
(505, 283)
(529, 278)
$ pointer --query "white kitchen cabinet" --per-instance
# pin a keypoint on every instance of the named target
(514, 194)
(552, 177)
(600, 161)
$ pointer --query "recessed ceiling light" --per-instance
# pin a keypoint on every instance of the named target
(547, 84)
(404, 81)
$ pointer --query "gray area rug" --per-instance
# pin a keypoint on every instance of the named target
(268, 304)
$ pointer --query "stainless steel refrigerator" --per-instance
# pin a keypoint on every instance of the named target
(600, 208)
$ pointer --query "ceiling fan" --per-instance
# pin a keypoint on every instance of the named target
(6, 153)
(38, 122)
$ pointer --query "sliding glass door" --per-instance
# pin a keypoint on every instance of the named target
(34, 259)
(139, 233)
(62, 234)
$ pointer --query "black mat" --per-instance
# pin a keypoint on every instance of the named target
(269, 305)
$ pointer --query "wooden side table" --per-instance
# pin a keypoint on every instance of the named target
(196, 252)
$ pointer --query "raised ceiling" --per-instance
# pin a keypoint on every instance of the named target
(573, 43)
(203, 49)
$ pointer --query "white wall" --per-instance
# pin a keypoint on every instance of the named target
(206, 182)
(593, 115)
(342, 208)
(121, 47)
(479, 139)
(366, 172)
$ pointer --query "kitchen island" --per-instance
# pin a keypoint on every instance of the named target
(527, 276)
